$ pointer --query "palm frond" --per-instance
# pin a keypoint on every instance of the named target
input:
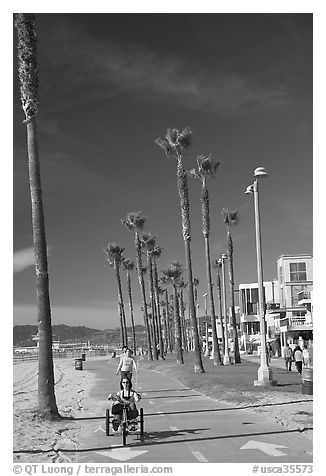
(225, 215)
(207, 166)
(184, 138)
(234, 217)
(164, 144)
(128, 264)
(178, 139)
(230, 217)
(193, 173)
(157, 251)
(134, 220)
(114, 253)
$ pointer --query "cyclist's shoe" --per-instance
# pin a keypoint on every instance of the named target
(133, 425)
(115, 425)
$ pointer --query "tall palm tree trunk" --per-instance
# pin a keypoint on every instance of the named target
(123, 325)
(183, 322)
(131, 312)
(158, 310)
(216, 348)
(237, 358)
(152, 301)
(143, 293)
(184, 203)
(177, 327)
(27, 69)
(168, 320)
(165, 330)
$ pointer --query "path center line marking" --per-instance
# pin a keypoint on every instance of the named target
(201, 458)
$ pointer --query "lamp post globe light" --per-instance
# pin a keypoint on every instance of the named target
(265, 375)
(226, 358)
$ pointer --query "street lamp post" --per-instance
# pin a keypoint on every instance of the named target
(206, 327)
(265, 375)
(226, 358)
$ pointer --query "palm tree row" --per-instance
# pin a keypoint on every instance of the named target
(175, 144)
(175, 333)
(146, 244)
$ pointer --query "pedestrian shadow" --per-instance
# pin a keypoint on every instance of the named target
(151, 439)
(207, 410)
(158, 435)
(244, 407)
(172, 396)
(166, 390)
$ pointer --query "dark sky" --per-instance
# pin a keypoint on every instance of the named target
(112, 83)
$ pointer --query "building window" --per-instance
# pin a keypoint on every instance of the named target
(298, 272)
(298, 313)
(294, 294)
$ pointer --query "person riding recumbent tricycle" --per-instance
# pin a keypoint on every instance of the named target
(124, 413)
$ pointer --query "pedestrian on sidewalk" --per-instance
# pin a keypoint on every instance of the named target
(306, 356)
(269, 352)
(126, 365)
(288, 357)
(297, 357)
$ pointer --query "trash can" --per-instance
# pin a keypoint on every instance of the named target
(307, 381)
(113, 355)
(83, 357)
(78, 364)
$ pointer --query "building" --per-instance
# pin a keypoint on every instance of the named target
(295, 277)
(289, 307)
(249, 313)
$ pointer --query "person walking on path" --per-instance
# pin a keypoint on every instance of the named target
(288, 357)
(306, 357)
(297, 357)
(126, 365)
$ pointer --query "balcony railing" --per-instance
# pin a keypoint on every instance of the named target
(299, 321)
(304, 295)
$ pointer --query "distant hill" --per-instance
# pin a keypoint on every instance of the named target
(22, 335)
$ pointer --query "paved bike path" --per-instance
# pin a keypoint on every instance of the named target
(182, 426)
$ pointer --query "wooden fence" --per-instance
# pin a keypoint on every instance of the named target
(17, 358)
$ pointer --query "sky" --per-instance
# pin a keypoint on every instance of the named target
(109, 85)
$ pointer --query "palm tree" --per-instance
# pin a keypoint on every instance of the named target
(135, 222)
(218, 266)
(195, 283)
(173, 274)
(206, 168)
(28, 77)
(174, 144)
(128, 265)
(231, 218)
(163, 280)
(181, 285)
(148, 243)
(156, 253)
(114, 256)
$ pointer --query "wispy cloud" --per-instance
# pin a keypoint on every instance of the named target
(131, 67)
(24, 259)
